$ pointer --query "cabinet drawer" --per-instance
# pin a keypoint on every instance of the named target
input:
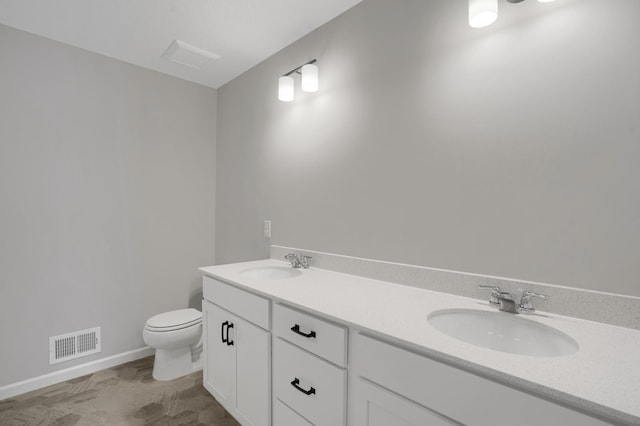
(318, 336)
(456, 394)
(242, 303)
(311, 386)
(285, 416)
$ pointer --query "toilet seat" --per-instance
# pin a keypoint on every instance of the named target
(174, 320)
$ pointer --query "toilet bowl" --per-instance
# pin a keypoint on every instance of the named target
(177, 338)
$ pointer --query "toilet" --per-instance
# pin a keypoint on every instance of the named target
(177, 338)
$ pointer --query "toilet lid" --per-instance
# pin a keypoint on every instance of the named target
(172, 319)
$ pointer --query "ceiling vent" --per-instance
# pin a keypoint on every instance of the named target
(188, 55)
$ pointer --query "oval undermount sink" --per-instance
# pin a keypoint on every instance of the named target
(503, 332)
(270, 272)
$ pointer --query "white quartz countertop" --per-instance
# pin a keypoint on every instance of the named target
(603, 377)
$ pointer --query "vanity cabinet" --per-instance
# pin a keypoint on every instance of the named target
(268, 363)
(237, 364)
(394, 386)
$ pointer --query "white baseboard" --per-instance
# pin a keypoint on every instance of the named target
(39, 382)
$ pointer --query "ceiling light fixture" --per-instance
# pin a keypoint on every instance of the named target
(483, 13)
(309, 81)
(285, 88)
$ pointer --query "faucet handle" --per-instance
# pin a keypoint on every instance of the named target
(305, 261)
(293, 259)
(495, 293)
(525, 300)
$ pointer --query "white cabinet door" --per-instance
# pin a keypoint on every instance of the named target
(237, 365)
(220, 361)
(376, 406)
(457, 394)
(253, 364)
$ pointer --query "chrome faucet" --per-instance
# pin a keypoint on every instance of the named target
(518, 303)
(305, 261)
(297, 262)
(495, 293)
(525, 305)
(293, 259)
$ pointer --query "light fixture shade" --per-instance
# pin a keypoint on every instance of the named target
(285, 88)
(545, 1)
(482, 13)
(309, 78)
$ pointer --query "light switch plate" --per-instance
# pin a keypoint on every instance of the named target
(267, 228)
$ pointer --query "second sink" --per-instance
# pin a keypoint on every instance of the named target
(503, 332)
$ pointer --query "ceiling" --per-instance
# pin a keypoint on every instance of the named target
(242, 32)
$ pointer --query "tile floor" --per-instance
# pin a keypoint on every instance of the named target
(125, 395)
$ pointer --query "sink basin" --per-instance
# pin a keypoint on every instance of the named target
(270, 272)
(503, 332)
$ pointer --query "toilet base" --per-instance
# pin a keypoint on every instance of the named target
(170, 364)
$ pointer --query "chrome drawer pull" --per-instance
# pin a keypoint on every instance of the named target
(296, 329)
(296, 384)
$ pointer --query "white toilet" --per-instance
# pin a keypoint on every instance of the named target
(177, 339)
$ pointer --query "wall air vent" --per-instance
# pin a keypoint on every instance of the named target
(190, 56)
(74, 345)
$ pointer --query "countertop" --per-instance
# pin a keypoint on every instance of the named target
(602, 377)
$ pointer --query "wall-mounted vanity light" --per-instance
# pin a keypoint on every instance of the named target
(309, 81)
(483, 13)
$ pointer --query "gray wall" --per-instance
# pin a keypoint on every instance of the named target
(107, 180)
(510, 150)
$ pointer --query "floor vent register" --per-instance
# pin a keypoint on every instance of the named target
(74, 345)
